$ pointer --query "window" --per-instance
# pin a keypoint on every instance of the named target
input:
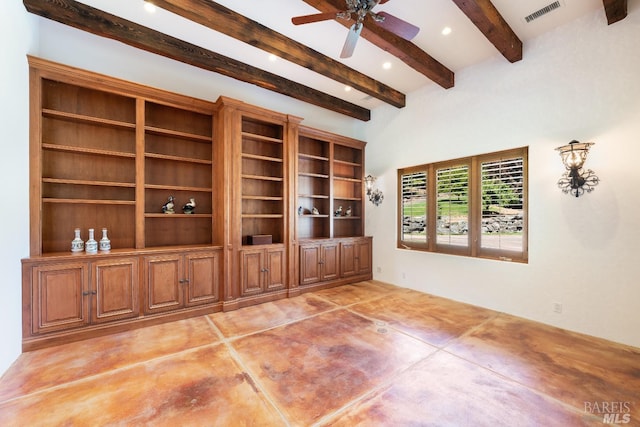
(476, 206)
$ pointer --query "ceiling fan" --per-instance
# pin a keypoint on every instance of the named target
(358, 10)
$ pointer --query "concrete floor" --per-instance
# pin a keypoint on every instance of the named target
(367, 354)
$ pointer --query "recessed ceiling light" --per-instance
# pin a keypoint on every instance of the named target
(347, 88)
(149, 7)
(386, 65)
(273, 58)
(446, 31)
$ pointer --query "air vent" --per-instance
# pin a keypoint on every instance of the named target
(538, 13)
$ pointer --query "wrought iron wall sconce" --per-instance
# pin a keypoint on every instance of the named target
(576, 180)
(375, 196)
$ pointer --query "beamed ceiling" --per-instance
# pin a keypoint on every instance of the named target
(233, 37)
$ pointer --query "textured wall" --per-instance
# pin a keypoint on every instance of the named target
(576, 82)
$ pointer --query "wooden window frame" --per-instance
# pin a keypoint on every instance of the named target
(474, 248)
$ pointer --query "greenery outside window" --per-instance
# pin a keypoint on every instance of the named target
(475, 206)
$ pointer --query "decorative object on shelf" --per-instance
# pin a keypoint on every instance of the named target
(348, 211)
(91, 246)
(576, 181)
(300, 210)
(77, 244)
(375, 196)
(315, 211)
(338, 211)
(168, 207)
(105, 243)
(189, 207)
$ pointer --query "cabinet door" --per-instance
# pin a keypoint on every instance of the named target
(363, 257)
(59, 297)
(309, 264)
(330, 261)
(251, 271)
(348, 259)
(274, 269)
(163, 283)
(203, 271)
(114, 289)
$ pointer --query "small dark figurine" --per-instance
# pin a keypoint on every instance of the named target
(300, 210)
(168, 207)
(189, 206)
(339, 211)
(348, 212)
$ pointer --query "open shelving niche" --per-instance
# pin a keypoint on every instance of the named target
(179, 163)
(329, 176)
(262, 180)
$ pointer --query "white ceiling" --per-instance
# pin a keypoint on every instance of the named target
(465, 46)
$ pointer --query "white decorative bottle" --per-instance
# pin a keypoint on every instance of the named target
(77, 244)
(91, 246)
(105, 243)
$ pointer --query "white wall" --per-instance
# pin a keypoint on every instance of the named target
(577, 82)
(17, 30)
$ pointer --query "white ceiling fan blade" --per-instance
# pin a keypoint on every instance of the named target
(352, 39)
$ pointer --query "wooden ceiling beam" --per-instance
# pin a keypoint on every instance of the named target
(95, 21)
(226, 21)
(615, 10)
(404, 50)
(486, 17)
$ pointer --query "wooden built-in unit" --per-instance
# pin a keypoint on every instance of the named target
(105, 153)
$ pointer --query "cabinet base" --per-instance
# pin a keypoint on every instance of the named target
(53, 339)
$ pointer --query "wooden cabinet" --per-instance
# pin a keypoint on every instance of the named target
(68, 295)
(355, 257)
(114, 289)
(262, 270)
(174, 280)
(319, 262)
(58, 296)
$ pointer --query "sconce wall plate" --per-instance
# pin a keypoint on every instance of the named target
(375, 196)
(576, 181)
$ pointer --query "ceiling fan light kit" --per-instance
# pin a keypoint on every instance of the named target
(360, 9)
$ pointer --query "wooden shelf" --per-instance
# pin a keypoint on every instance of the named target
(313, 216)
(273, 198)
(313, 196)
(74, 149)
(263, 178)
(176, 215)
(261, 138)
(176, 188)
(265, 158)
(262, 215)
(178, 158)
(313, 157)
(346, 178)
(178, 134)
(313, 175)
(356, 199)
(347, 218)
(88, 201)
(346, 163)
(88, 182)
(81, 118)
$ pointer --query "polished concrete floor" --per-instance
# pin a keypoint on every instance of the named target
(367, 354)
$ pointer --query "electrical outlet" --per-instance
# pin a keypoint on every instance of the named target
(557, 307)
(378, 269)
(404, 275)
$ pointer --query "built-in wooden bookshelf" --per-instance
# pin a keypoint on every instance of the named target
(105, 153)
